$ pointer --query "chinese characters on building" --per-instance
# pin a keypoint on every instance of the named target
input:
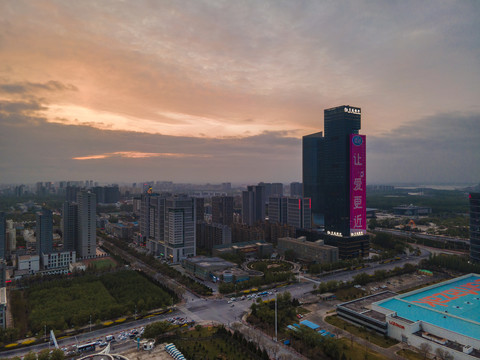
(358, 211)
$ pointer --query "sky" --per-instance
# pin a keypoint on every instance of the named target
(214, 91)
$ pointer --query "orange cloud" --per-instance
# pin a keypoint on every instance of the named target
(138, 155)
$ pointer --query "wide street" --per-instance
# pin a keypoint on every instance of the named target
(214, 309)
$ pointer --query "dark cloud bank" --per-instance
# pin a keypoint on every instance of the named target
(438, 149)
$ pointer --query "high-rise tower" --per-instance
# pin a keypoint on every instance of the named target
(222, 210)
(70, 225)
(253, 204)
(180, 229)
(312, 164)
(334, 168)
(44, 232)
(87, 241)
(3, 234)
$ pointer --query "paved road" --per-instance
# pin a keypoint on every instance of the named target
(409, 234)
(216, 310)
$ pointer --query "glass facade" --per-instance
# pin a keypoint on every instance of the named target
(339, 124)
(312, 154)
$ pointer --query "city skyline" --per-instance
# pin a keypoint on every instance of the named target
(200, 91)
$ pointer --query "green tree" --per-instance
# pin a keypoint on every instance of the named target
(57, 354)
(30, 356)
(44, 354)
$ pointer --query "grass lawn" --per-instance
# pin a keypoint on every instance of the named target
(103, 264)
(360, 332)
(358, 352)
(410, 355)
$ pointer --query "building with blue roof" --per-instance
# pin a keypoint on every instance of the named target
(445, 315)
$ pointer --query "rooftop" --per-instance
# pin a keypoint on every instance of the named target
(453, 305)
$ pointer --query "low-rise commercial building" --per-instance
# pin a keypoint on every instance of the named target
(412, 210)
(445, 315)
(28, 263)
(253, 249)
(3, 307)
(308, 251)
(203, 267)
(57, 260)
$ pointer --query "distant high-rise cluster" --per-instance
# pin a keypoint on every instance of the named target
(334, 177)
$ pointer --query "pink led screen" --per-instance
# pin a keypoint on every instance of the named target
(358, 210)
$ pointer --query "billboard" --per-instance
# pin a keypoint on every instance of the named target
(358, 184)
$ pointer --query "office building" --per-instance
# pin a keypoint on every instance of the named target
(312, 173)
(3, 235)
(277, 209)
(30, 264)
(209, 235)
(339, 179)
(308, 251)
(3, 307)
(253, 204)
(299, 212)
(246, 233)
(293, 211)
(412, 210)
(222, 210)
(58, 260)
(87, 234)
(200, 208)
(71, 193)
(272, 189)
(167, 225)
(11, 244)
(107, 194)
(44, 232)
(203, 267)
(296, 189)
(145, 215)
(180, 228)
(156, 221)
(274, 231)
(70, 225)
(475, 226)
